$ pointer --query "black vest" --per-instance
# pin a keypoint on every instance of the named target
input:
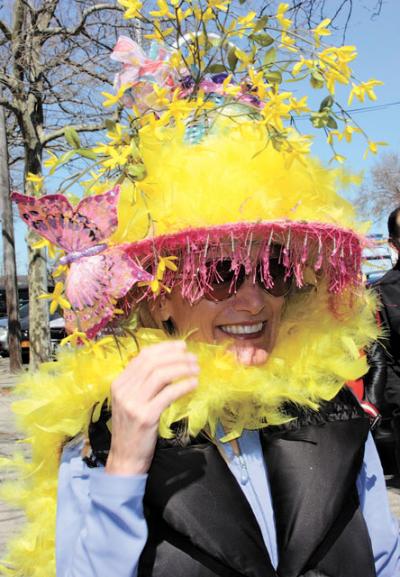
(201, 525)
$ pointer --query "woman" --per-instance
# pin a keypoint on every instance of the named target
(229, 444)
(204, 516)
(260, 322)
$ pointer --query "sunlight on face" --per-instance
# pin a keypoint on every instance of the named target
(249, 319)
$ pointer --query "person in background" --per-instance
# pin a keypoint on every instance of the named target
(382, 382)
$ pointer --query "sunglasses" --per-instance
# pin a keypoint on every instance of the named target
(227, 282)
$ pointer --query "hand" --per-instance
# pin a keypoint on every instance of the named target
(250, 355)
(157, 377)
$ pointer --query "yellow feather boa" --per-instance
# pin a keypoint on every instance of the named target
(316, 354)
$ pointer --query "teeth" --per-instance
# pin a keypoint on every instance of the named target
(242, 329)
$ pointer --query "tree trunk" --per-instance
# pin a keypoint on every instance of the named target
(39, 331)
(10, 269)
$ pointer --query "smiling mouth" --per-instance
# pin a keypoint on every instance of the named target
(244, 331)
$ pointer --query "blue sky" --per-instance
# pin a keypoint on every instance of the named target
(378, 47)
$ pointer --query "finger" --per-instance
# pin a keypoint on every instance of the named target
(260, 357)
(173, 392)
(149, 355)
(250, 355)
(163, 376)
(136, 376)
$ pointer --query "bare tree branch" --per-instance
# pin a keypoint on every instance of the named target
(381, 192)
(5, 30)
(7, 104)
(9, 82)
(78, 127)
(80, 26)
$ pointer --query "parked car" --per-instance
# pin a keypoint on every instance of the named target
(378, 259)
(3, 335)
(57, 331)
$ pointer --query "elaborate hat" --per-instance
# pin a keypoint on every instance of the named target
(208, 162)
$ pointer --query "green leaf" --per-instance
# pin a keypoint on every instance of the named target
(319, 119)
(73, 198)
(331, 123)
(216, 68)
(298, 78)
(67, 156)
(134, 148)
(86, 153)
(72, 137)
(110, 124)
(261, 23)
(273, 77)
(241, 2)
(138, 171)
(277, 139)
(212, 41)
(269, 57)
(317, 80)
(262, 39)
(327, 102)
(232, 58)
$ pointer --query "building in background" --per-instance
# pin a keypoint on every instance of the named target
(378, 259)
(23, 294)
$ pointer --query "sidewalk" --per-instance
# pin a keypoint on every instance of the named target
(10, 519)
(7, 381)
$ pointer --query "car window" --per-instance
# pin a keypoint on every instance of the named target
(55, 315)
(24, 311)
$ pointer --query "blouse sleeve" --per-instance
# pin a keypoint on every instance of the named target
(101, 529)
(383, 528)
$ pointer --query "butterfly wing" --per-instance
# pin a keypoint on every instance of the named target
(95, 283)
(46, 215)
(88, 320)
(128, 51)
(70, 228)
(99, 212)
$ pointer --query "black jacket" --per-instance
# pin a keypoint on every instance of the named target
(201, 525)
(382, 383)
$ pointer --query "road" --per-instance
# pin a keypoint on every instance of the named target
(10, 519)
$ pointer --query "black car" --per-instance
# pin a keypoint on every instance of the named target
(57, 331)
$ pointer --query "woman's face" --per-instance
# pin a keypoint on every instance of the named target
(249, 319)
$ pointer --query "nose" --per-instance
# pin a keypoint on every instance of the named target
(249, 298)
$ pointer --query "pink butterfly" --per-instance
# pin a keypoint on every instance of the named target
(98, 275)
(141, 72)
(136, 64)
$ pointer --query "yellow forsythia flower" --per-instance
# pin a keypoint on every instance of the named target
(132, 8)
(57, 298)
(321, 30)
(364, 89)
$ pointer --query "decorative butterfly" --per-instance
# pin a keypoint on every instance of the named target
(141, 71)
(98, 275)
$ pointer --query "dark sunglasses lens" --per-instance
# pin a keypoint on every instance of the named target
(225, 284)
(224, 278)
(281, 285)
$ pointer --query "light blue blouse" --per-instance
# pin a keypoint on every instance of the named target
(101, 530)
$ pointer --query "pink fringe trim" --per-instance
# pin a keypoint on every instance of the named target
(323, 247)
